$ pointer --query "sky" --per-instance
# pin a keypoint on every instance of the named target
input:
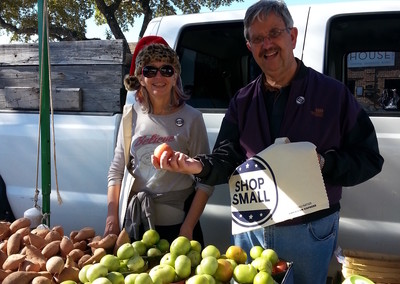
(132, 35)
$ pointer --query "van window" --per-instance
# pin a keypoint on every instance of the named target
(215, 63)
(374, 78)
(363, 51)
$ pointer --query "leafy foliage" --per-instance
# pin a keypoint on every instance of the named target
(67, 18)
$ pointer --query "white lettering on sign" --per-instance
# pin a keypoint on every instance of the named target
(370, 59)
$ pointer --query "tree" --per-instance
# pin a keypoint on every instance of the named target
(67, 18)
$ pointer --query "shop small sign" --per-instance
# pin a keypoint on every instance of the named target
(282, 182)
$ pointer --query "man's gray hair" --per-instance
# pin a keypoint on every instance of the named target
(261, 9)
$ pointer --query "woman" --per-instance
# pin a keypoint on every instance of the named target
(171, 203)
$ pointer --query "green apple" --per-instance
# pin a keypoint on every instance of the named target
(152, 252)
(198, 279)
(211, 279)
(198, 270)
(163, 245)
(263, 277)
(211, 250)
(115, 277)
(271, 255)
(162, 273)
(244, 273)
(150, 238)
(130, 278)
(140, 247)
(101, 280)
(183, 266)
(82, 273)
(181, 245)
(209, 265)
(126, 251)
(111, 262)
(135, 263)
(95, 271)
(168, 258)
(262, 264)
(195, 257)
(233, 262)
(195, 245)
(256, 251)
(68, 282)
(143, 278)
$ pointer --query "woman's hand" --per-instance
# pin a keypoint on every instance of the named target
(112, 226)
(186, 231)
(178, 162)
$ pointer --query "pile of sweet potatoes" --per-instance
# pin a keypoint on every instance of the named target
(45, 255)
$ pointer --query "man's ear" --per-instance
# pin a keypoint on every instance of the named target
(248, 45)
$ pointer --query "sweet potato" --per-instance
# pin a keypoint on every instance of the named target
(3, 257)
(5, 231)
(72, 235)
(52, 236)
(14, 244)
(51, 249)
(13, 261)
(82, 245)
(55, 265)
(75, 254)
(23, 231)
(41, 231)
(3, 274)
(66, 245)
(69, 262)
(3, 246)
(123, 238)
(58, 229)
(84, 234)
(28, 265)
(97, 255)
(35, 255)
(82, 261)
(20, 223)
(41, 280)
(20, 277)
(107, 242)
(37, 241)
(68, 273)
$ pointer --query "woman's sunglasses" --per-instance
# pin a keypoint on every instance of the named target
(151, 71)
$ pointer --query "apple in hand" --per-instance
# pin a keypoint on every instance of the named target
(164, 147)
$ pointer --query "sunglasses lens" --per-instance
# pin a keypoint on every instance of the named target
(167, 70)
(151, 71)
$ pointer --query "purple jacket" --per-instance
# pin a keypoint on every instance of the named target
(320, 110)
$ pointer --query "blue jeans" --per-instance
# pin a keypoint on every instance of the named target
(309, 246)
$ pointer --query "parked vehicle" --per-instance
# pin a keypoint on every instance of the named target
(354, 42)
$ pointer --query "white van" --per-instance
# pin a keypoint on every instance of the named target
(357, 43)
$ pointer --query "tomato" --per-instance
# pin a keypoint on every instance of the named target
(279, 267)
(164, 147)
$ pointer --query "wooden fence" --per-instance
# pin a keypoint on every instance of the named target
(86, 76)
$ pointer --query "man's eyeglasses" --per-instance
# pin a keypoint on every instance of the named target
(273, 34)
(151, 71)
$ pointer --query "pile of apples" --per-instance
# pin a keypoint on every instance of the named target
(182, 261)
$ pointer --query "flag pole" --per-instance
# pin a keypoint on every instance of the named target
(44, 108)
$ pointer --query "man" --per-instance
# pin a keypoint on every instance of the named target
(290, 100)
